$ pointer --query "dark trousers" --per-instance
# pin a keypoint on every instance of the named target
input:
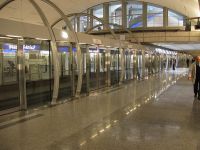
(197, 87)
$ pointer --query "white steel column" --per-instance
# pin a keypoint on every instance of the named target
(21, 73)
(122, 66)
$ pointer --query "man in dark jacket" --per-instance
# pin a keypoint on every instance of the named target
(194, 75)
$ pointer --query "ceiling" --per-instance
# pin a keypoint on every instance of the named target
(191, 48)
(23, 11)
(180, 46)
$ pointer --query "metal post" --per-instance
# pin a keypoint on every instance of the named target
(78, 23)
(105, 15)
(1, 64)
(136, 64)
(144, 14)
(71, 68)
(87, 70)
(91, 19)
(108, 64)
(98, 67)
(143, 63)
(165, 17)
(124, 11)
(21, 77)
(122, 66)
(88, 20)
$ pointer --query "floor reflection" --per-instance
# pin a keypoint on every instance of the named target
(137, 132)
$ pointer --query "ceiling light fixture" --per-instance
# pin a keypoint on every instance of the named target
(14, 36)
(64, 34)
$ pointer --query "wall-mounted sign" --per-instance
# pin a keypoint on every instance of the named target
(8, 46)
(63, 49)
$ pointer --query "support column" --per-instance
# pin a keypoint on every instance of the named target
(22, 76)
(91, 19)
(98, 67)
(124, 16)
(144, 14)
(167, 63)
(143, 64)
(105, 15)
(122, 66)
(72, 73)
(87, 70)
(135, 63)
(78, 23)
(1, 64)
(88, 20)
(80, 71)
(165, 17)
(108, 63)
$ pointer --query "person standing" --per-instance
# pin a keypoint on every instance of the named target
(194, 75)
(188, 62)
(174, 64)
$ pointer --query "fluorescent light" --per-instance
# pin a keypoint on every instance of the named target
(1, 37)
(15, 36)
(64, 34)
(41, 39)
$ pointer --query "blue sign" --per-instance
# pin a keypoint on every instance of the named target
(31, 47)
(63, 48)
(74, 49)
(8, 46)
(66, 49)
(9, 51)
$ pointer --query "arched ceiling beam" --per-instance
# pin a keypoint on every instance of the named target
(91, 16)
(4, 4)
(54, 50)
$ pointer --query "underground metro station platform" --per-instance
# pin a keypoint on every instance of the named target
(99, 75)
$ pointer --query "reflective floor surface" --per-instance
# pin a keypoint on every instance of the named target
(157, 113)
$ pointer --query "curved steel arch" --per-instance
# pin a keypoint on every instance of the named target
(127, 30)
(54, 50)
(90, 29)
(45, 21)
(79, 55)
(88, 15)
(4, 4)
(53, 45)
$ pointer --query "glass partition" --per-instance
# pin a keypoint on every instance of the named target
(134, 14)
(38, 71)
(98, 12)
(65, 79)
(83, 23)
(102, 68)
(175, 19)
(128, 65)
(73, 21)
(154, 16)
(140, 64)
(115, 13)
(115, 66)
(9, 85)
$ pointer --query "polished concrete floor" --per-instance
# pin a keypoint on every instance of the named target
(158, 113)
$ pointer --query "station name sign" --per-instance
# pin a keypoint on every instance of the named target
(25, 47)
